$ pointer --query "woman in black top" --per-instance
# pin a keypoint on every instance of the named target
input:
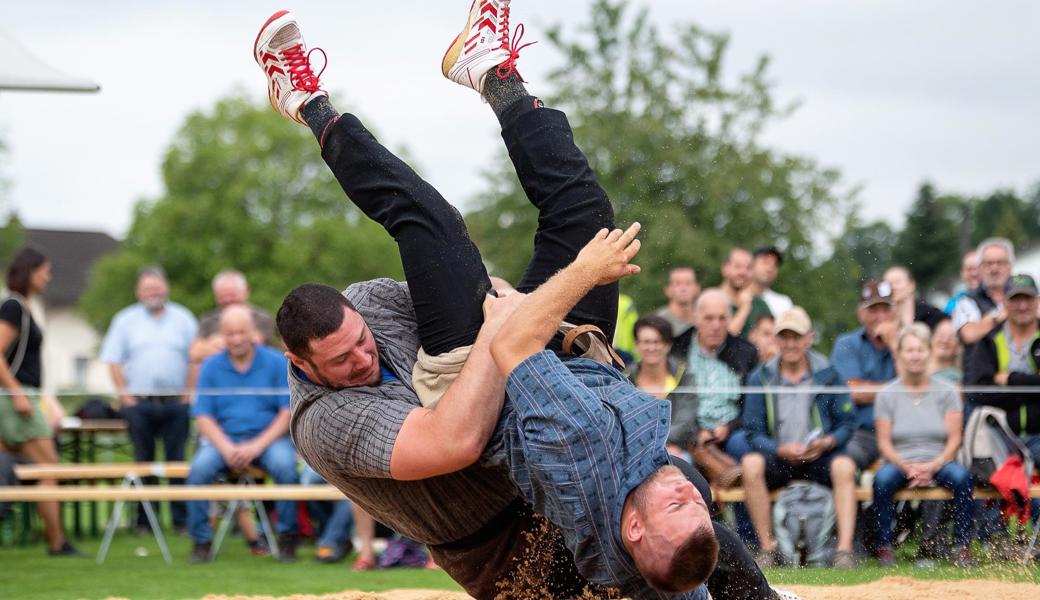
(23, 428)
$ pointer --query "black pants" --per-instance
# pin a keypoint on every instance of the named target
(163, 417)
(445, 274)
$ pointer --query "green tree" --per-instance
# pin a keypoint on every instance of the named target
(244, 189)
(1003, 213)
(929, 242)
(12, 235)
(676, 144)
(868, 246)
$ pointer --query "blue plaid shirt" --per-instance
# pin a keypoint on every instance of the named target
(578, 437)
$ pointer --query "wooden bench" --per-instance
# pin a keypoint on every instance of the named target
(865, 494)
(132, 488)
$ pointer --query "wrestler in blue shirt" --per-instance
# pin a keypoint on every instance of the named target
(587, 448)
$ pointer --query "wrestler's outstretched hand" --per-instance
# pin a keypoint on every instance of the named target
(607, 255)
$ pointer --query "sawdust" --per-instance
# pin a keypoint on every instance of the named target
(889, 588)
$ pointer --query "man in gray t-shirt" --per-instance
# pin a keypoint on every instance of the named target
(918, 420)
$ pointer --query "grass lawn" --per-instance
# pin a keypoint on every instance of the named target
(27, 574)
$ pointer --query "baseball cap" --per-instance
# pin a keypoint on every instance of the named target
(875, 291)
(1019, 285)
(793, 319)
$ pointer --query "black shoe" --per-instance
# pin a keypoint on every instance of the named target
(200, 553)
(259, 547)
(287, 548)
(66, 549)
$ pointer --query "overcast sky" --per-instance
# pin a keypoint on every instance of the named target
(892, 92)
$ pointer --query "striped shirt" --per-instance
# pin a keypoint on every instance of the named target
(347, 435)
(578, 437)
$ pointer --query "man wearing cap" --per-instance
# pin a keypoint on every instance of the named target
(797, 432)
(863, 358)
(765, 266)
(1008, 356)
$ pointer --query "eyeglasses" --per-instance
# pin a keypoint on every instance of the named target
(649, 343)
(995, 263)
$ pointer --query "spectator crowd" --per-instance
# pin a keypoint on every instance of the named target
(754, 405)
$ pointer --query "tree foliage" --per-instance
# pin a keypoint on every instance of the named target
(676, 144)
(12, 235)
(244, 189)
(928, 243)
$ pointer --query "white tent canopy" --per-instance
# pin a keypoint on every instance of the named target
(21, 70)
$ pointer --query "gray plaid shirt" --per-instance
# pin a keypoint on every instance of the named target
(348, 435)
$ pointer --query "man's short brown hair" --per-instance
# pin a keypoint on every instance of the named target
(693, 562)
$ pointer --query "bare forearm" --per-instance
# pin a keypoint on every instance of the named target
(452, 435)
(7, 378)
(739, 318)
(971, 333)
(275, 429)
(538, 318)
(209, 429)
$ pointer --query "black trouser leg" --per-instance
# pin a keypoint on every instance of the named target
(140, 424)
(571, 205)
(446, 277)
(736, 576)
(175, 428)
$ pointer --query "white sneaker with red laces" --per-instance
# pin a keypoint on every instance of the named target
(282, 55)
(482, 45)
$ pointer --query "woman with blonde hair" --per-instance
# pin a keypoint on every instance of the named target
(24, 430)
(918, 418)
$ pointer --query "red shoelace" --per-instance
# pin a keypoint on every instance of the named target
(300, 72)
(508, 66)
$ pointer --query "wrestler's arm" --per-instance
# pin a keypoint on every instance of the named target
(604, 260)
(452, 435)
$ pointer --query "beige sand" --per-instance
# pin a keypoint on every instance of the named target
(889, 588)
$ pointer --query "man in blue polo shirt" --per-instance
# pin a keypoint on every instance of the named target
(246, 425)
(863, 358)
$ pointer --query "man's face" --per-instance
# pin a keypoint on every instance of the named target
(765, 268)
(793, 347)
(872, 316)
(994, 267)
(152, 291)
(712, 321)
(1021, 309)
(239, 334)
(737, 269)
(228, 291)
(970, 270)
(346, 357)
(673, 510)
(682, 286)
(761, 335)
(903, 287)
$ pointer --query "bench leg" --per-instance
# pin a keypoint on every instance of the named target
(265, 524)
(222, 527)
(159, 538)
(110, 529)
(1028, 557)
